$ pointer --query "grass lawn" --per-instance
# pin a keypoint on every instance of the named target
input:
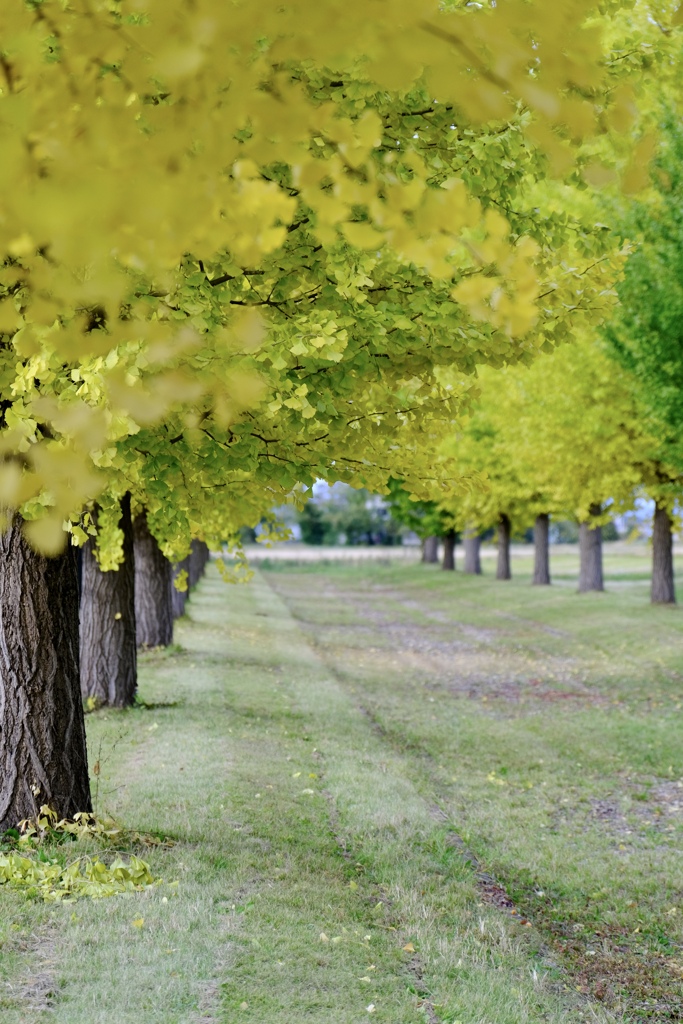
(396, 795)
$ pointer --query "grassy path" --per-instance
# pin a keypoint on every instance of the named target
(319, 777)
(548, 729)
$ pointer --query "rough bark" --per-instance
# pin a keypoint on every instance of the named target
(590, 549)
(542, 550)
(503, 567)
(449, 540)
(153, 589)
(662, 590)
(43, 757)
(108, 645)
(430, 550)
(471, 543)
(179, 597)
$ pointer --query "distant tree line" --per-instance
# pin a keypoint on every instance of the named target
(349, 516)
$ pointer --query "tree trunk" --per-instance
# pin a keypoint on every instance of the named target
(430, 550)
(542, 550)
(79, 571)
(179, 597)
(662, 590)
(590, 548)
(449, 539)
(198, 559)
(503, 568)
(43, 758)
(153, 589)
(472, 543)
(109, 661)
(206, 555)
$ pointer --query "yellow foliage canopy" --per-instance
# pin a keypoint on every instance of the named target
(356, 172)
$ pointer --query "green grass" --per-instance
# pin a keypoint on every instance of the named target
(547, 727)
(357, 759)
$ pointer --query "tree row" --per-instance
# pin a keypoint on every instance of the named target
(568, 436)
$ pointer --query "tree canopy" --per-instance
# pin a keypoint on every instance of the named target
(645, 331)
(242, 246)
(561, 437)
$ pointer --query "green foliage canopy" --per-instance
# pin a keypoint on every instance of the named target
(646, 330)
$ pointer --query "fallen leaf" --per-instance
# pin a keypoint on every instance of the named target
(409, 948)
(138, 922)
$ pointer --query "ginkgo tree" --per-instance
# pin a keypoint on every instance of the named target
(644, 332)
(368, 185)
(564, 436)
(426, 518)
(352, 340)
(161, 130)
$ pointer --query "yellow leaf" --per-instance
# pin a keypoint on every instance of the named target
(138, 922)
(363, 236)
(598, 175)
(636, 175)
(46, 535)
(22, 245)
(409, 948)
(10, 320)
(10, 484)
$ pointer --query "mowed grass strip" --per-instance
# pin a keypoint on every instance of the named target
(547, 727)
(220, 762)
(315, 881)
